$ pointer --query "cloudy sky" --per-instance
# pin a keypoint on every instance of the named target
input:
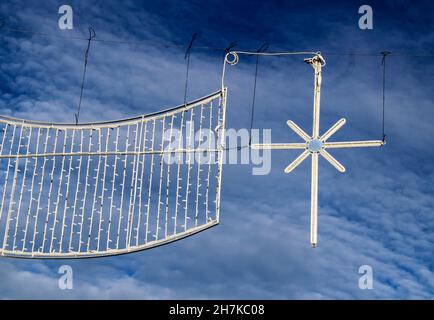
(379, 213)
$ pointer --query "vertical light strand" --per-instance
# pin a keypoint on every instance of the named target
(211, 157)
(187, 185)
(77, 188)
(11, 199)
(124, 172)
(169, 160)
(113, 189)
(178, 174)
(59, 192)
(41, 185)
(198, 182)
(137, 164)
(86, 185)
(68, 179)
(103, 189)
(32, 184)
(132, 187)
(48, 214)
(157, 228)
(23, 184)
(141, 184)
(218, 142)
(95, 191)
(221, 149)
(7, 170)
(148, 206)
(5, 129)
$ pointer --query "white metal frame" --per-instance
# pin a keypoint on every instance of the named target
(90, 190)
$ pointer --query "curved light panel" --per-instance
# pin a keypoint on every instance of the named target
(108, 188)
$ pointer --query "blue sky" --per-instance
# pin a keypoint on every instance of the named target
(380, 212)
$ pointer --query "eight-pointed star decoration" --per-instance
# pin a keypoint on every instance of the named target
(316, 145)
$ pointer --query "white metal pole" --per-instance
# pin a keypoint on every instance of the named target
(316, 63)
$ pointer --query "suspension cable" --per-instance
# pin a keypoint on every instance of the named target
(92, 35)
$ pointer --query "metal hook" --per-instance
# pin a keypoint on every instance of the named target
(92, 33)
(234, 59)
(232, 45)
(320, 58)
(316, 58)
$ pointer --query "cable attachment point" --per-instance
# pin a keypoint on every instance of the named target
(383, 120)
(317, 58)
(231, 58)
(385, 54)
(92, 35)
(190, 45)
(229, 48)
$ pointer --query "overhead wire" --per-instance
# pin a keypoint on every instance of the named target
(262, 51)
(187, 57)
(4, 27)
(92, 35)
(383, 62)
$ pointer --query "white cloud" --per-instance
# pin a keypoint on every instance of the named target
(379, 213)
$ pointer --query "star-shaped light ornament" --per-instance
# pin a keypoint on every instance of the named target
(315, 145)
